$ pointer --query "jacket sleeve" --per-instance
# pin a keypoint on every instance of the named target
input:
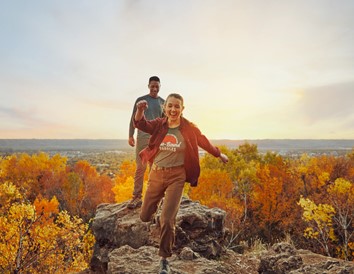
(205, 144)
(145, 125)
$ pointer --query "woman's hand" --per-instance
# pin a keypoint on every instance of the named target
(224, 158)
(141, 106)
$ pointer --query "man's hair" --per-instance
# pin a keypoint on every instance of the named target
(177, 96)
(154, 78)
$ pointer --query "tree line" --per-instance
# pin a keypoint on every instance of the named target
(46, 204)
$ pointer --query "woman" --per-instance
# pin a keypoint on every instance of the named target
(173, 154)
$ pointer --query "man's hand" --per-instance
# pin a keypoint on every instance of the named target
(131, 141)
(224, 158)
(142, 105)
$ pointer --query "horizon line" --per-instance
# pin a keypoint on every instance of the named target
(227, 139)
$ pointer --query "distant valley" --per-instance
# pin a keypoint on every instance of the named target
(282, 146)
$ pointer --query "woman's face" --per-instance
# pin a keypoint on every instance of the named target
(173, 109)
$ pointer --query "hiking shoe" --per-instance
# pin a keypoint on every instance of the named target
(164, 267)
(135, 203)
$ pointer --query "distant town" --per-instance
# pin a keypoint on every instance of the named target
(75, 147)
(106, 155)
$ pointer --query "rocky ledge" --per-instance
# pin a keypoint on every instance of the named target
(124, 244)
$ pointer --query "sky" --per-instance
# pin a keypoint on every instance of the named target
(246, 69)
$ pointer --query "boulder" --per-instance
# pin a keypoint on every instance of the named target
(284, 258)
(319, 264)
(280, 258)
(198, 228)
(125, 244)
(145, 260)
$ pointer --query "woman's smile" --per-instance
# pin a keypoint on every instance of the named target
(173, 108)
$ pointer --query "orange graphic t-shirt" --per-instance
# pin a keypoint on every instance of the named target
(171, 151)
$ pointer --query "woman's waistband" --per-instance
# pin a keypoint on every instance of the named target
(161, 168)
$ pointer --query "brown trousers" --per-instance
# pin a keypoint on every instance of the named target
(169, 184)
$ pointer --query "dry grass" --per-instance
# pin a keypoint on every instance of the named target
(256, 246)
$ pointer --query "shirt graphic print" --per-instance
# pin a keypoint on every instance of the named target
(170, 143)
(171, 150)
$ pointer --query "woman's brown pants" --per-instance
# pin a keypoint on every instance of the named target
(166, 183)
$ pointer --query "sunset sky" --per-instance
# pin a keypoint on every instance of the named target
(247, 69)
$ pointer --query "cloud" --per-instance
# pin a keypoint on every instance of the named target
(334, 101)
(25, 123)
(109, 104)
(84, 66)
(21, 116)
(27, 118)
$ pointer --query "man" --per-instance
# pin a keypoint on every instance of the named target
(154, 111)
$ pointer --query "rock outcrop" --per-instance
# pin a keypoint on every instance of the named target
(145, 260)
(280, 258)
(124, 244)
(199, 231)
(284, 258)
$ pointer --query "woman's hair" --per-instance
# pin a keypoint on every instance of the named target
(177, 96)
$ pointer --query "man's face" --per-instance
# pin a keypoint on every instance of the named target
(154, 87)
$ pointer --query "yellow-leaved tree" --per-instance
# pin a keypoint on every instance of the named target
(319, 217)
(38, 238)
(341, 195)
(124, 182)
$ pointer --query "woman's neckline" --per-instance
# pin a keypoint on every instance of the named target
(174, 126)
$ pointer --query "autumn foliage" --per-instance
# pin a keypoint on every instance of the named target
(124, 181)
(78, 188)
(45, 208)
(270, 197)
(38, 237)
(46, 204)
